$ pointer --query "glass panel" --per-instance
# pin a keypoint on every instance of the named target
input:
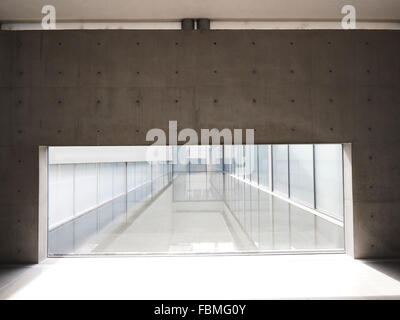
(130, 175)
(227, 158)
(329, 179)
(266, 221)
(105, 182)
(182, 159)
(198, 158)
(241, 161)
(214, 160)
(301, 173)
(281, 224)
(61, 193)
(302, 228)
(234, 159)
(119, 179)
(247, 162)
(263, 165)
(280, 169)
(85, 187)
(254, 164)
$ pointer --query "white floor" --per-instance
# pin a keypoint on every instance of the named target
(206, 277)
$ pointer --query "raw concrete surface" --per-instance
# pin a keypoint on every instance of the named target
(110, 87)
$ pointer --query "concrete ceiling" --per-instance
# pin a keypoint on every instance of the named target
(174, 10)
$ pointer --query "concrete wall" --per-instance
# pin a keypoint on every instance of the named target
(110, 87)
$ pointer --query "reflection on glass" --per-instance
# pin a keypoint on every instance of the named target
(280, 169)
(99, 196)
(247, 162)
(198, 158)
(301, 173)
(254, 164)
(329, 179)
(263, 165)
(214, 158)
(180, 158)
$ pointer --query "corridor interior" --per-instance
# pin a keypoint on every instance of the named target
(196, 200)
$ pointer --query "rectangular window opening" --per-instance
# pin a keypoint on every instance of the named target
(196, 199)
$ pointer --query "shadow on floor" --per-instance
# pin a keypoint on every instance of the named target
(15, 277)
(390, 268)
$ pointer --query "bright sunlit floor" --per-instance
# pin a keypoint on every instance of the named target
(207, 277)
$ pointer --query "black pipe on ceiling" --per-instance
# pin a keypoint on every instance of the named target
(187, 24)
